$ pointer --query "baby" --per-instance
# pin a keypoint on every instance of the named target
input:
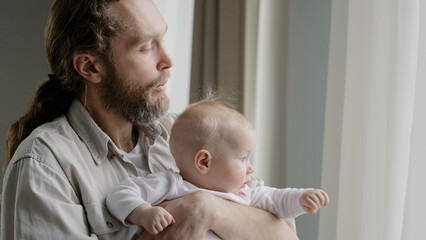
(211, 144)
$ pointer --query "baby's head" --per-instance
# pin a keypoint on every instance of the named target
(212, 144)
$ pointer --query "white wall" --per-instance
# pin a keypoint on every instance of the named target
(22, 60)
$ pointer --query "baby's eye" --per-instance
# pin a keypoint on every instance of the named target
(243, 159)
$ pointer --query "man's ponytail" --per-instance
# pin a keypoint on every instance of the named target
(84, 26)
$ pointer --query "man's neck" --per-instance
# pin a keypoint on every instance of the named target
(115, 126)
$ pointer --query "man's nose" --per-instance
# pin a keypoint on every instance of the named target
(165, 61)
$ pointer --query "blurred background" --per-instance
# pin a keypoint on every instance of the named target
(335, 88)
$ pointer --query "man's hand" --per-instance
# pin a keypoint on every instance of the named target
(192, 215)
(199, 212)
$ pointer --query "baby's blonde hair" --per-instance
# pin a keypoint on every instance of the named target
(201, 126)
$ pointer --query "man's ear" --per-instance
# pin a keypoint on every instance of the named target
(203, 160)
(89, 67)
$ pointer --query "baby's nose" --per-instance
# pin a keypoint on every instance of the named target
(250, 169)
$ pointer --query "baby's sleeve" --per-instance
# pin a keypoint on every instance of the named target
(132, 192)
(284, 203)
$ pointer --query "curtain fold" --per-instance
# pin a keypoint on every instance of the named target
(375, 118)
(414, 211)
(270, 92)
(240, 50)
(218, 49)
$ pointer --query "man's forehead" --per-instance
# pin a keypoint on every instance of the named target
(140, 15)
(141, 18)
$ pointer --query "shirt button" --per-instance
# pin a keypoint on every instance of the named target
(110, 225)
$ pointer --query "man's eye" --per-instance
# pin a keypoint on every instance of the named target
(146, 49)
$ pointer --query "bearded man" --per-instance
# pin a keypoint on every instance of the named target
(100, 118)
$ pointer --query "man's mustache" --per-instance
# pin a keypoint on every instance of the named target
(160, 80)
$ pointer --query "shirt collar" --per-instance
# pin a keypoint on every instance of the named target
(92, 135)
(96, 140)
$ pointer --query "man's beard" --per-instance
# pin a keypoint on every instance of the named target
(139, 104)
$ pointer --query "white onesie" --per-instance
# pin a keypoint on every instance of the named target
(158, 187)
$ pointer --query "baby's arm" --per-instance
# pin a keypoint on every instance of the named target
(313, 199)
(153, 219)
(134, 192)
(287, 202)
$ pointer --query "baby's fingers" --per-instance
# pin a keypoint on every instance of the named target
(313, 204)
(169, 218)
(153, 229)
(314, 199)
(319, 197)
(165, 221)
(324, 198)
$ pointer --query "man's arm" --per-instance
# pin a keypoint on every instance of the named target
(236, 221)
(39, 203)
(196, 213)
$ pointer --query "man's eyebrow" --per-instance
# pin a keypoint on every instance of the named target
(136, 39)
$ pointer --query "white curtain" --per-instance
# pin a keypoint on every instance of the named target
(286, 49)
(264, 85)
(371, 114)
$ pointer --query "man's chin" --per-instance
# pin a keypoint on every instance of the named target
(164, 102)
(161, 106)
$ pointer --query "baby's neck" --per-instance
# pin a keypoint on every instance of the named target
(197, 179)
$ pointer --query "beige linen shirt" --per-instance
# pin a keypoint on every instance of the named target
(56, 183)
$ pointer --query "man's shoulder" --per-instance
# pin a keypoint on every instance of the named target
(45, 140)
(58, 130)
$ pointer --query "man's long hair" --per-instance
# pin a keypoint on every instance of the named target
(73, 26)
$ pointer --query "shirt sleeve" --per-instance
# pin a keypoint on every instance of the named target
(284, 203)
(38, 202)
(132, 192)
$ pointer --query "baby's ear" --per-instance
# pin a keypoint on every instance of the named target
(203, 160)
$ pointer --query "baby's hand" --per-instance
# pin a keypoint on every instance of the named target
(155, 219)
(313, 199)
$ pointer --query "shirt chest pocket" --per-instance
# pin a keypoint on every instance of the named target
(100, 221)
